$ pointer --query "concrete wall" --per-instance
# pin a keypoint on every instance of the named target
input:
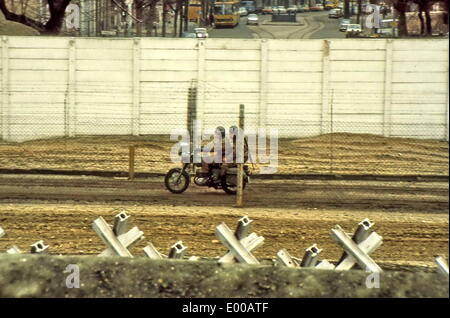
(56, 86)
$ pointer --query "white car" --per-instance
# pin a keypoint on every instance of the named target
(243, 11)
(292, 9)
(201, 33)
(252, 19)
(343, 25)
(281, 9)
(354, 28)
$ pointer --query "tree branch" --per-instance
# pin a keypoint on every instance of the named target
(20, 18)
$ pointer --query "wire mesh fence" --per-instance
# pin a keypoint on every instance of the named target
(319, 162)
(331, 153)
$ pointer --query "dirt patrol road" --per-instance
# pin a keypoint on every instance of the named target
(412, 217)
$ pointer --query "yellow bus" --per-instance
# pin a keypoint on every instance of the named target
(195, 9)
(331, 4)
(226, 13)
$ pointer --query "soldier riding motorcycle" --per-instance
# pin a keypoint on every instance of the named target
(221, 175)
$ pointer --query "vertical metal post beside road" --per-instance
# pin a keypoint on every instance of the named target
(131, 154)
(240, 165)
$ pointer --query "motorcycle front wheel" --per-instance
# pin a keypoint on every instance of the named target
(176, 180)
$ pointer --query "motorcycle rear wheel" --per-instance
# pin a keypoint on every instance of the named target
(230, 189)
(175, 182)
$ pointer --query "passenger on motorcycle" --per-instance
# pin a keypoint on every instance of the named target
(234, 130)
(220, 153)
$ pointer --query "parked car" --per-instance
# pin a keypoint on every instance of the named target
(267, 10)
(353, 30)
(252, 19)
(317, 7)
(274, 10)
(243, 11)
(292, 9)
(188, 35)
(305, 8)
(281, 9)
(201, 33)
(335, 14)
(343, 25)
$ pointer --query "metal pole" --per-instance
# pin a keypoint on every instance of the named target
(240, 172)
(131, 162)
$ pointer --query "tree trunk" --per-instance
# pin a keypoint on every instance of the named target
(186, 15)
(57, 12)
(139, 4)
(346, 9)
(164, 18)
(400, 6)
(428, 20)
(422, 22)
(175, 18)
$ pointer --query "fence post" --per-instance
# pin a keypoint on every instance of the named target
(263, 85)
(131, 154)
(70, 127)
(387, 122)
(135, 120)
(4, 113)
(325, 86)
(201, 57)
(240, 165)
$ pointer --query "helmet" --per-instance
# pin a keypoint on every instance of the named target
(234, 130)
(220, 131)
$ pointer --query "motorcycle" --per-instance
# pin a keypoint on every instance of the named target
(177, 180)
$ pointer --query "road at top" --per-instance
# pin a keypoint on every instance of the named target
(315, 25)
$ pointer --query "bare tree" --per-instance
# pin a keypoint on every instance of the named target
(52, 26)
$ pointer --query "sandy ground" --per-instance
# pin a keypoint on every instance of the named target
(333, 153)
(412, 217)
